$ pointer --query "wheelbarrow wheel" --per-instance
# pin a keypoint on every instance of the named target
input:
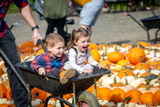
(86, 99)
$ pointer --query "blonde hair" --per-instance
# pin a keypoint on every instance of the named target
(76, 33)
(52, 39)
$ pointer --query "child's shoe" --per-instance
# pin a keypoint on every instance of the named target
(65, 75)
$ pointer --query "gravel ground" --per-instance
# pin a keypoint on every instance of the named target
(109, 28)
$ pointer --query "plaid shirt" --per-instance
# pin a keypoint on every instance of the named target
(4, 6)
(48, 62)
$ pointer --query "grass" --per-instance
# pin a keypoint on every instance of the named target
(14, 9)
(124, 5)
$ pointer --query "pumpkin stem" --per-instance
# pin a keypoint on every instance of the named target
(136, 76)
(142, 60)
(154, 102)
(1, 93)
(154, 53)
(35, 94)
(109, 75)
(124, 67)
(127, 99)
(155, 62)
(125, 73)
(147, 87)
(132, 46)
(139, 102)
(108, 65)
(126, 81)
(115, 81)
(148, 105)
(147, 81)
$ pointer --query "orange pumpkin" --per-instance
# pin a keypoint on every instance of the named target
(40, 51)
(29, 50)
(117, 95)
(156, 45)
(115, 57)
(105, 62)
(27, 44)
(125, 45)
(95, 54)
(6, 84)
(42, 105)
(93, 46)
(12, 105)
(136, 55)
(146, 74)
(104, 93)
(145, 44)
(134, 95)
(42, 94)
(1, 71)
(156, 99)
(9, 94)
(123, 62)
(147, 98)
(143, 66)
(125, 72)
(3, 91)
(3, 105)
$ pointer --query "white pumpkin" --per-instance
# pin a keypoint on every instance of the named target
(156, 72)
(125, 80)
(110, 50)
(10, 102)
(139, 72)
(121, 104)
(3, 101)
(58, 103)
(36, 102)
(105, 80)
(136, 82)
(70, 100)
(4, 76)
(52, 101)
(102, 102)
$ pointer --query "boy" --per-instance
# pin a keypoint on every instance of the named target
(52, 61)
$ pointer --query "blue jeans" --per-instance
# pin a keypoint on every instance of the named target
(19, 93)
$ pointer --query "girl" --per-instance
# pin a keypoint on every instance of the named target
(78, 53)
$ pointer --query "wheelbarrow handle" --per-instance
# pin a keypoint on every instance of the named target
(148, 8)
(126, 14)
(42, 44)
(11, 66)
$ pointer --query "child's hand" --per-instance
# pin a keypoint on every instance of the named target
(100, 66)
(41, 71)
(89, 71)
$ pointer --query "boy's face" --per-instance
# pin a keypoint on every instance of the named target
(57, 50)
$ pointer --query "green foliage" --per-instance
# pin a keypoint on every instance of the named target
(13, 8)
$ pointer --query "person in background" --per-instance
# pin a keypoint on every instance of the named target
(8, 45)
(78, 53)
(52, 61)
(90, 12)
(55, 14)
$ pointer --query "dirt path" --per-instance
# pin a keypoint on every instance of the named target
(109, 28)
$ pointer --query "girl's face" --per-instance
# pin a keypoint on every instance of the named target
(57, 50)
(82, 43)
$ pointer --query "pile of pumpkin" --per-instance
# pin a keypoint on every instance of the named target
(134, 79)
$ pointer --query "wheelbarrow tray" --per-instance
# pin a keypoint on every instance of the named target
(53, 85)
(151, 22)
